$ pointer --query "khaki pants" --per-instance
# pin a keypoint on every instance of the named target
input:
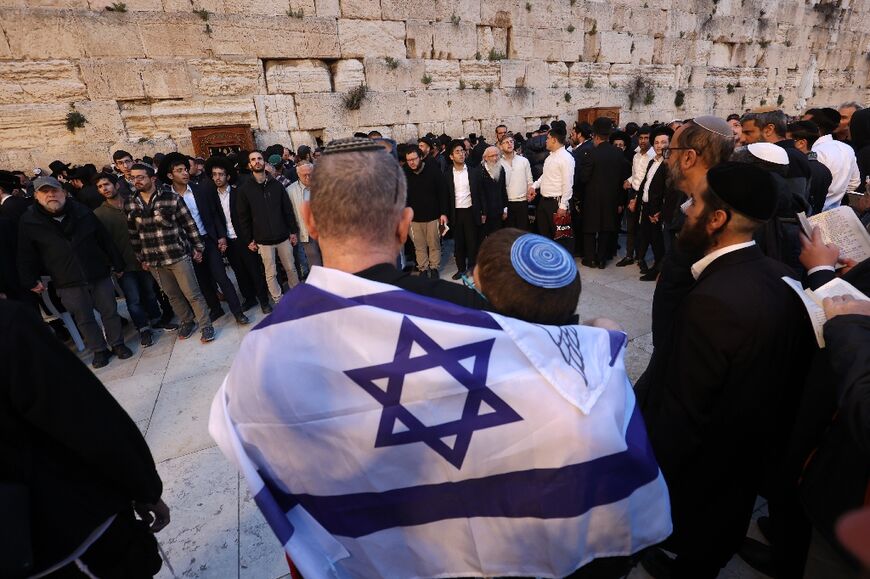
(178, 282)
(285, 254)
(427, 244)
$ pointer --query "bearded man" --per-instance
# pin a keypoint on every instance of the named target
(494, 190)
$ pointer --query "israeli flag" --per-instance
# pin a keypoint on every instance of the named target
(386, 434)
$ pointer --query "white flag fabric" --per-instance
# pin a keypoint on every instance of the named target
(387, 434)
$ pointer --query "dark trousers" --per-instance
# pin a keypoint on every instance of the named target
(518, 215)
(81, 301)
(138, 288)
(248, 268)
(493, 223)
(547, 206)
(650, 233)
(466, 234)
(631, 224)
(210, 270)
(598, 245)
(127, 549)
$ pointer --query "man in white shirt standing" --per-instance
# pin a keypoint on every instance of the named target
(300, 191)
(467, 210)
(556, 184)
(518, 172)
(643, 154)
(838, 157)
(247, 265)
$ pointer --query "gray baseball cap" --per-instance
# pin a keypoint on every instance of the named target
(46, 181)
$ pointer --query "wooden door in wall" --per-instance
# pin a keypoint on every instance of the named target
(221, 139)
(589, 115)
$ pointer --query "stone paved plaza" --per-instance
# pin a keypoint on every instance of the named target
(216, 529)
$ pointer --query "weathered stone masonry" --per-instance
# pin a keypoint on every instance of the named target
(142, 74)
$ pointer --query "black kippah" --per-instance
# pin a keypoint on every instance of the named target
(351, 145)
(748, 189)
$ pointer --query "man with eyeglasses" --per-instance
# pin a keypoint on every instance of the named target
(123, 162)
(167, 242)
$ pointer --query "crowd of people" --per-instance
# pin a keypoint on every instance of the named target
(738, 400)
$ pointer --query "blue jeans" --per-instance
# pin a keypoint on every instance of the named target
(138, 288)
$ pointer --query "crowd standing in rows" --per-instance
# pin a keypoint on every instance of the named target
(726, 399)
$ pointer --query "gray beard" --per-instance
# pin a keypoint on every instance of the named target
(493, 170)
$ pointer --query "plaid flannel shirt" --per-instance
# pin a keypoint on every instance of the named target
(163, 230)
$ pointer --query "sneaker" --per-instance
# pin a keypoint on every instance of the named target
(242, 319)
(433, 273)
(146, 338)
(207, 334)
(101, 358)
(186, 330)
(216, 314)
(458, 275)
(267, 308)
(624, 261)
(164, 324)
(122, 352)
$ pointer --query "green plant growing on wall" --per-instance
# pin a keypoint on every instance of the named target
(454, 19)
(296, 13)
(203, 14)
(488, 88)
(475, 85)
(75, 120)
(461, 84)
(116, 7)
(427, 79)
(763, 102)
(679, 99)
(730, 88)
(570, 28)
(496, 55)
(528, 6)
(354, 97)
(477, 56)
(779, 100)
(391, 62)
(589, 83)
(567, 97)
(640, 90)
(594, 30)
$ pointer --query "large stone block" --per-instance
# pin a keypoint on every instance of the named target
(583, 74)
(28, 32)
(559, 74)
(173, 119)
(444, 73)
(347, 74)
(35, 125)
(537, 74)
(276, 112)
(327, 8)
(297, 76)
(265, 139)
(383, 77)
(481, 73)
(615, 47)
(39, 81)
(266, 37)
(227, 77)
(167, 36)
(361, 9)
(134, 78)
(408, 9)
(467, 10)
(457, 41)
(320, 110)
(419, 39)
(513, 73)
(362, 38)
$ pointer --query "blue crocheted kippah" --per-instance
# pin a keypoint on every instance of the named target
(542, 262)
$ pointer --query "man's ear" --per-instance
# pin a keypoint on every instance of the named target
(404, 226)
(308, 219)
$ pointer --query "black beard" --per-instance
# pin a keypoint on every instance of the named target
(694, 239)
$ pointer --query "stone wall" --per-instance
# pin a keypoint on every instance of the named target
(143, 73)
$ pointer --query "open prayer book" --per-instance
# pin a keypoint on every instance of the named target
(812, 300)
(841, 227)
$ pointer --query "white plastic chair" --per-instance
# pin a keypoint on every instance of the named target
(65, 317)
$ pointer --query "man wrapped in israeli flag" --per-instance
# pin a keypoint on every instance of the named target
(385, 433)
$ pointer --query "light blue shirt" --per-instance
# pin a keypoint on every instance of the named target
(190, 201)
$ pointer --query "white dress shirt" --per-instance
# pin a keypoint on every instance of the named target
(649, 177)
(557, 180)
(224, 198)
(297, 194)
(699, 266)
(190, 201)
(461, 188)
(518, 174)
(839, 158)
(639, 163)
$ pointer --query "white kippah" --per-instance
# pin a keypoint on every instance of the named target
(769, 152)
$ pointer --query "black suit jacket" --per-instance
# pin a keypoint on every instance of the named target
(657, 190)
(209, 211)
(220, 218)
(14, 207)
(602, 172)
(478, 204)
(726, 405)
(494, 193)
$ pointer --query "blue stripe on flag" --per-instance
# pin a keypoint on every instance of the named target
(274, 515)
(617, 341)
(305, 300)
(539, 493)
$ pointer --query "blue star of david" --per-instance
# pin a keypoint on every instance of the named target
(435, 356)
